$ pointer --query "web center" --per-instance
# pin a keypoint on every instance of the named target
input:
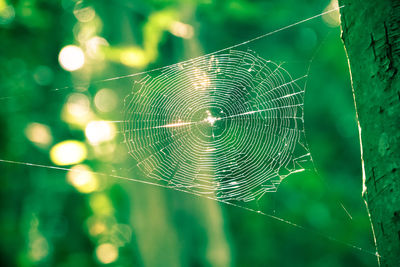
(209, 123)
(210, 119)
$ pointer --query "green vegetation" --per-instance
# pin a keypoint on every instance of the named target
(53, 112)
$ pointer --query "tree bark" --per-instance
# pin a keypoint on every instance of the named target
(370, 32)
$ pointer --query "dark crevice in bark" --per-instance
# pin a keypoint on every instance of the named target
(373, 45)
(371, 35)
(389, 49)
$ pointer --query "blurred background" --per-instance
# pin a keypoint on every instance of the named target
(52, 55)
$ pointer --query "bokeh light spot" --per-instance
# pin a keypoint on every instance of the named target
(97, 225)
(182, 30)
(94, 47)
(99, 131)
(83, 179)
(101, 204)
(332, 19)
(43, 75)
(105, 100)
(83, 13)
(78, 104)
(39, 134)
(68, 152)
(134, 57)
(39, 247)
(77, 109)
(107, 253)
(121, 234)
(71, 58)
(7, 13)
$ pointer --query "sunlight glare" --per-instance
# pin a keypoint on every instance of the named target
(99, 131)
(68, 152)
(71, 58)
(332, 19)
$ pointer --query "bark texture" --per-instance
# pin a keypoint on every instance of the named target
(370, 32)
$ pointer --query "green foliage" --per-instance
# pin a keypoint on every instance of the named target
(48, 220)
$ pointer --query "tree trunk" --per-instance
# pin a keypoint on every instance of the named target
(370, 32)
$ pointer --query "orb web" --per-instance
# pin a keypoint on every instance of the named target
(229, 126)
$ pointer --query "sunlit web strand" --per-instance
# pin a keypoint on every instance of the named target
(175, 64)
(332, 239)
(233, 46)
(168, 187)
(30, 164)
(228, 125)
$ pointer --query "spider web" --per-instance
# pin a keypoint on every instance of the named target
(228, 125)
